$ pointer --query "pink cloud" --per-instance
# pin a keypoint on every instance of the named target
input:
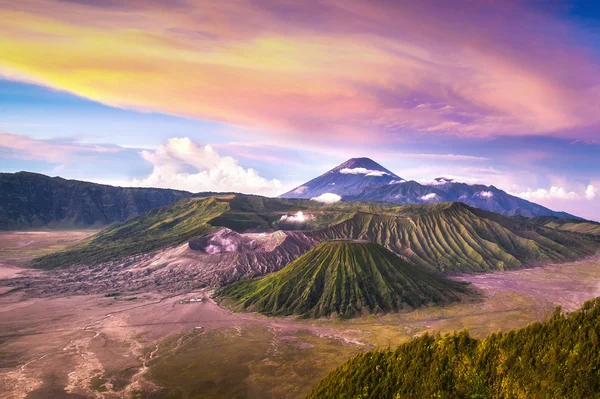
(24, 147)
(338, 71)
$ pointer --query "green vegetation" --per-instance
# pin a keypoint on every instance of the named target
(118, 379)
(98, 384)
(112, 295)
(446, 237)
(453, 237)
(160, 228)
(342, 278)
(574, 225)
(559, 358)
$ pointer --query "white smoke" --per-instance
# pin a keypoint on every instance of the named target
(428, 197)
(327, 198)
(485, 194)
(298, 217)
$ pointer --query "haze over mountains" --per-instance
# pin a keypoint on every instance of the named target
(362, 179)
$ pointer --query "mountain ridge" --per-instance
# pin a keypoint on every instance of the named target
(396, 190)
(348, 178)
(33, 200)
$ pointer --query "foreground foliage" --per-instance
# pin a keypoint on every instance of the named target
(559, 358)
(346, 279)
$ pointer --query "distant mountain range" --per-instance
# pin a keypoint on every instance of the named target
(362, 179)
(32, 200)
(347, 179)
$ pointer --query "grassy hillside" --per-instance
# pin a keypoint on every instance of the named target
(32, 200)
(556, 359)
(342, 278)
(453, 237)
(159, 228)
(574, 225)
(446, 237)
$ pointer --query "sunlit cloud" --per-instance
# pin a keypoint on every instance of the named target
(591, 191)
(351, 71)
(185, 165)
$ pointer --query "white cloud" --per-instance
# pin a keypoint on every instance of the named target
(376, 173)
(298, 217)
(397, 181)
(439, 182)
(485, 194)
(581, 201)
(553, 193)
(185, 165)
(428, 197)
(591, 191)
(327, 198)
(363, 171)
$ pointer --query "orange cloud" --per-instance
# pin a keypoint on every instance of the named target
(349, 70)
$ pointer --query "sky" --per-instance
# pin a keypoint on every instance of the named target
(260, 96)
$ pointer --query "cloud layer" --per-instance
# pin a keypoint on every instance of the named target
(185, 165)
(336, 71)
(363, 171)
(558, 193)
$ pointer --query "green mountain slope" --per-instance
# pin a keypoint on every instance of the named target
(445, 237)
(157, 229)
(574, 225)
(557, 359)
(453, 237)
(31, 200)
(342, 278)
